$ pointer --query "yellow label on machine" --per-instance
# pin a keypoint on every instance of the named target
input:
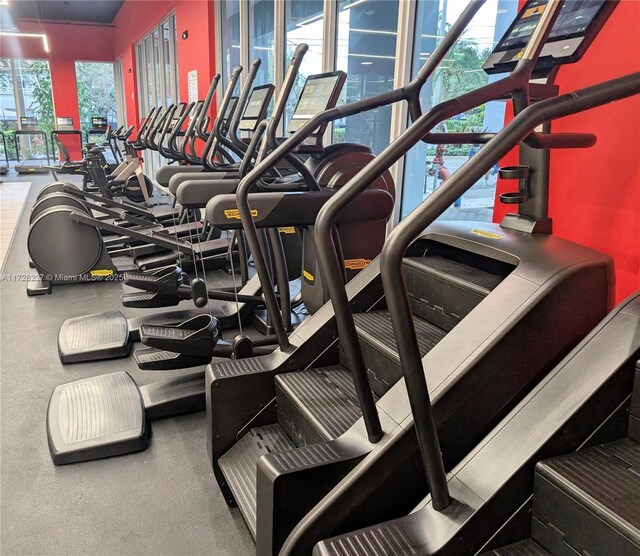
(103, 272)
(287, 230)
(231, 214)
(308, 276)
(356, 264)
(483, 233)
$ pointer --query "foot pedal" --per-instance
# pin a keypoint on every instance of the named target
(149, 300)
(94, 337)
(154, 359)
(96, 418)
(163, 280)
(196, 336)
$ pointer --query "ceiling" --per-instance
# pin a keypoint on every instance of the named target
(88, 11)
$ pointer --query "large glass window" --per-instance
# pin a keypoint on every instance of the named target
(366, 50)
(230, 33)
(427, 166)
(261, 39)
(304, 24)
(157, 71)
(96, 92)
(8, 108)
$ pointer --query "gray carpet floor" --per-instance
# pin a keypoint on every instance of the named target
(164, 500)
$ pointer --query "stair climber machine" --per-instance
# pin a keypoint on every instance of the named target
(583, 503)
(185, 393)
(65, 250)
(492, 309)
(111, 334)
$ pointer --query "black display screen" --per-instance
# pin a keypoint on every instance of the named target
(28, 121)
(573, 21)
(315, 97)
(99, 122)
(230, 108)
(255, 106)
(64, 123)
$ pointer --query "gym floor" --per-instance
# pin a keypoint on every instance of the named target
(164, 500)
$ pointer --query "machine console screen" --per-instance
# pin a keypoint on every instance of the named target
(578, 20)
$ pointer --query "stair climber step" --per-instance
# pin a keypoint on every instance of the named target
(93, 337)
(380, 350)
(527, 547)
(590, 500)
(238, 466)
(444, 291)
(317, 405)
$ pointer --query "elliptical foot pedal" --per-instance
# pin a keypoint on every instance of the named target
(196, 336)
(154, 359)
(148, 300)
(96, 418)
(94, 337)
(163, 280)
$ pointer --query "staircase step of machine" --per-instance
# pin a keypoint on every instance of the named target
(527, 547)
(379, 347)
(238, 466)
(590, 500)
(78, 337)
(317, 405)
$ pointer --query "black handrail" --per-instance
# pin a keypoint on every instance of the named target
(201, 130)
(242, 198)
(328, 258)
(242, 104)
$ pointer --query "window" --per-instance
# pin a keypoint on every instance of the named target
(230, 33)
(261, 39)
(25, 90)
(304, 23)
(425, 165)
(366, 51)
(121, 107)
(157, 70)
(96, 92)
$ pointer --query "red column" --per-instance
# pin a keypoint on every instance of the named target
(65, 99)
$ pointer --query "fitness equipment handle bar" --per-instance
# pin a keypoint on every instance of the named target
(202, 122)
(211, 147)
(409, 93)
(242, 104)
(129, 207)
(428, 211)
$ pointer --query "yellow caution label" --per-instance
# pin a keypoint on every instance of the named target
(520, 54)
(484, 233)
(231, 214)
(310, 277)
(102, 272)
(537, 10)
(287, 230)
(356, 264)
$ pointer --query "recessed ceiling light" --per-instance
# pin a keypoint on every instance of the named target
(366, 63)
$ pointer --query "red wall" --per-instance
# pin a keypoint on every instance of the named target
(67, 43)
(136, 18)
(595, 193)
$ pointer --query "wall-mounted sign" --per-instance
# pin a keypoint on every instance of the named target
(192, 80)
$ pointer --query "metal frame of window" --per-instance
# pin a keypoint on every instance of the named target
(121, 105)
(151, 75)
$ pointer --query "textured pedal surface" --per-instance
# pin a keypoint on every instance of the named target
(381, 540)
(237, 367)
(471, 277)
(326, 398)
(239, 466)
(155, 359)
(527, 547)
(96, 417)
(169, 332)
(376, 328)
(93, 337)
(589, 500)
(148, 300)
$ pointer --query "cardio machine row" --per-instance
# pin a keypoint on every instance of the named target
(334, 428)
